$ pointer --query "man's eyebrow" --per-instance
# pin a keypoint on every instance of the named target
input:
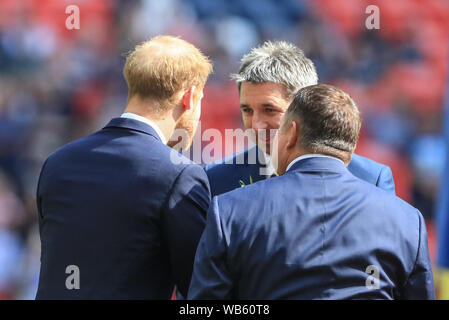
(244, 105)
(270, 105)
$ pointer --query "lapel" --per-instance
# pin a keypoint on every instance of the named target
(254, 162)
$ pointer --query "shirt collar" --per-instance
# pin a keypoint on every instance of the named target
(153, 125)
(311, 155)
(268, 169)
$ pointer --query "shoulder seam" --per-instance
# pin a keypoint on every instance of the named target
(378, 176)
(172, 186)
(418, 250)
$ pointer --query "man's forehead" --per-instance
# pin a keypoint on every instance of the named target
(266, 92)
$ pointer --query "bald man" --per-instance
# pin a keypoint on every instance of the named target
(117, 218)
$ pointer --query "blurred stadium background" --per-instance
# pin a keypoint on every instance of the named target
(57, 85)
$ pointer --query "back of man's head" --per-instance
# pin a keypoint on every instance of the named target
(159, 68)
(328, 119)
(279, 62)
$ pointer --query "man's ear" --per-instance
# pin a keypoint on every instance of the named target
(292, 141)
(187, 99)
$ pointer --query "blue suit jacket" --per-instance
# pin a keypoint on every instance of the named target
(316, 232)
(114, 205)
(225, 175)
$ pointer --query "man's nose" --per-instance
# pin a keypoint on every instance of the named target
(259, 123)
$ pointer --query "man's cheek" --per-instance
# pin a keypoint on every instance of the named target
(276, 123)
(246, 122)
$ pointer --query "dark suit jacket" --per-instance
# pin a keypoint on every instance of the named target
(226, 174)
(313, 233)
(115, 206)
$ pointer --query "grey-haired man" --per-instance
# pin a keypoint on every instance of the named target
(268, 78)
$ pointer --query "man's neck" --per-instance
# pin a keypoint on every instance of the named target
(291, 157)
(166, 124)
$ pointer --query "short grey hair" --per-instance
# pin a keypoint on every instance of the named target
(279, 62)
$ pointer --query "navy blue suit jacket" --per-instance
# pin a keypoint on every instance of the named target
(114, 205)
(316, 232)
(226, 174)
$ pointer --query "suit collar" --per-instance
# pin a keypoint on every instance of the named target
(311, 155)
(262, 168)
(255, 156)
(319, 164)
(152, 124)
(134, 125)
(249, 157)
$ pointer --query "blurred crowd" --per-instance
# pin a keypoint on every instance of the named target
(57, 85)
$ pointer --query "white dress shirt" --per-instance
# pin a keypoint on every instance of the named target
(269, 169)
(153, 125)
(311, 155)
